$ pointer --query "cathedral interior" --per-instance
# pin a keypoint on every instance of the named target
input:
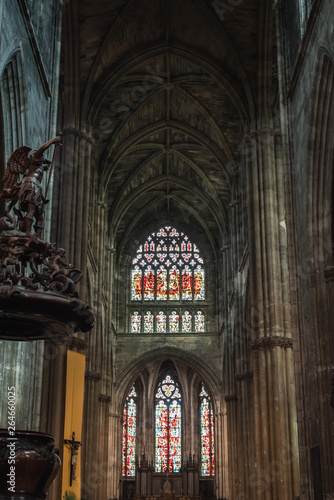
(194, 190)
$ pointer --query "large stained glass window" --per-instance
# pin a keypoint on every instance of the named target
(167, 265)
(207, 435)
(167, 271)
(168, 426)
(129, 434)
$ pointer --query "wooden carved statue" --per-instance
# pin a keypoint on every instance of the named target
(33, 270)
(28, 190)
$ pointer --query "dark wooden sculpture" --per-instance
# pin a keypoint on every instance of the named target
(28, 190)
(38, 299)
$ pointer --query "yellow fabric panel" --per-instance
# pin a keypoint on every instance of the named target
(75, 379)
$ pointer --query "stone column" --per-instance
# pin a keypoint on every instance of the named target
(232, 437)
(115, 458)
(221, 471)
(276, 470)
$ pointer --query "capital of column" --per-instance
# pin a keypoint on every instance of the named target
(270, 342)
(78, 133)
(115, 415)
(104, 398)
(92, 375)
(231, 397)
(102, 205)
(239, 377)
(78, 344)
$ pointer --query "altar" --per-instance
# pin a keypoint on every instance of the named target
(184, 485)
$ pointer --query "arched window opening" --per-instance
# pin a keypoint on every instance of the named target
(207, 434)
(168, 426)
(167, 270)
(129, 434)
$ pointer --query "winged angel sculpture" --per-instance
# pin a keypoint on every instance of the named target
(27, 191)
(18, 245)
(34, 270)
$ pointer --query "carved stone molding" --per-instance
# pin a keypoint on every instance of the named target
(79, 134)
(92, 375)
(104, 398)
(269, 342)
(239, 377)
(232, 397)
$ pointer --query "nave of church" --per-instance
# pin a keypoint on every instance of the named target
(193, 188)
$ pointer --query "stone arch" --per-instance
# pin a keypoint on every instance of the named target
(156, 356)
(13, 102)
(321, 157)
(317, 259)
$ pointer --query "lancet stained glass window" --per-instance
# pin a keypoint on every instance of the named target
(168, 269)
(129, 434)
(168, 426)
(207, 435)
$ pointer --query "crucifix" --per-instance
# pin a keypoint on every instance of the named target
(74, 445)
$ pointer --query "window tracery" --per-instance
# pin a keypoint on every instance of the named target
(167, 269)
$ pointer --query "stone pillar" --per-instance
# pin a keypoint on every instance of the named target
(246, 450)
(232, 438)
(53, 400)
(115, 458)
(221, 472)
(276, 470)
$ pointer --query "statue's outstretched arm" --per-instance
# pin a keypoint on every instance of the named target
(40, 151)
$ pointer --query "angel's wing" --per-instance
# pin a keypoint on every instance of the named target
(17, 164)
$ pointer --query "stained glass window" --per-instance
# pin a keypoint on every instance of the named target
(161, 322)
(162, 283)
(174, 284)
(174, 322)
(129, 434)
(136, 290)
(148, 322)
(136, 322)
(167, 268)
(186, 322)
(199, 283)
(149, 283)
(207, 435)
(199, 322)
(168, 426)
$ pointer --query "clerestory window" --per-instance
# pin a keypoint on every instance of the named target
(167, 284)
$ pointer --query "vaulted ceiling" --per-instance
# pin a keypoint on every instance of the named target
(168, 89)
